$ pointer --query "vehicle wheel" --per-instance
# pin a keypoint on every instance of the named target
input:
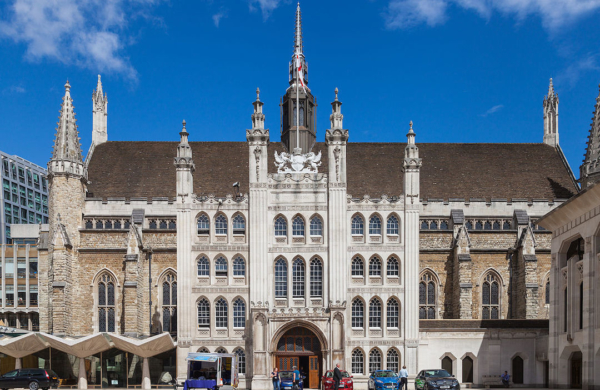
(34, 386)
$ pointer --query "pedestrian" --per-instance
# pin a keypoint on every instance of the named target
(403, 374)
(337, 376)
(296, 378)
(275, 378)
(505, 379)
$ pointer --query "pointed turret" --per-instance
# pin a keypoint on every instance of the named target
(100, 114)
(66, 156)
(336, 139)
(298, 131)
(258, 118)
(551, 117)
(590, 169)
(184, 166)
(258, 140)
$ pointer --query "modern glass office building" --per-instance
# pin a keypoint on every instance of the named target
(24, 195)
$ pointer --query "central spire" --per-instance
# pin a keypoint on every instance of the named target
(298, 40)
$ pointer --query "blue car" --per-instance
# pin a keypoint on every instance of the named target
(286, 378)
(384, 380)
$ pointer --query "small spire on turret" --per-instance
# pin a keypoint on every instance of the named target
(336, 93)
(258, 118)
(257, 94)
(298, 32)
(550, 105)
(336, 116)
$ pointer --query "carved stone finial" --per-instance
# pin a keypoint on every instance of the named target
(336, 93)
(68, 86)
(257, 95)
(183, 123)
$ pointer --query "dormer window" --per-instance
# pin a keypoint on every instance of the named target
(203, 225)
(239, 225)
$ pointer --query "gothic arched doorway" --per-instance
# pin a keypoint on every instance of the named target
(300, 347)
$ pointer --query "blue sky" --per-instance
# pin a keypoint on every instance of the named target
(462, 70)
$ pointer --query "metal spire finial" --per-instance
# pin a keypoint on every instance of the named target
(298, 38)
(257, 94)
(183, 123)
(336, 93)
(410, 130)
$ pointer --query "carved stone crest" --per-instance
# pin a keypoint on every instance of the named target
(297, 162)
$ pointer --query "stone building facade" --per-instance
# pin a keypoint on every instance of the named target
(307, 253)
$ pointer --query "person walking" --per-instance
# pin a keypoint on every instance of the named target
(403, 374)
(296, 378)
(505, 379)
(337, 376)
(275, 378)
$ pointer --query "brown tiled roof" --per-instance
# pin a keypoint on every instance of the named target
(532, 171)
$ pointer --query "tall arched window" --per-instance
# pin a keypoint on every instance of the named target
(239, 224)
(427, 297)
(490, 300)
(392, 226)
(221, 313)
(106, 304)
(241, 358)
(239, 313)
(517, 370)
(548, 291)
(358, 226)
(298, 227)
(203, 224)
(280, 227)
(375, 225)
(375, 313)
(393, 360)
(358, 362)
(221, 266)
(393, 313)
(221, 225)
(169, 304)
(203, 267)
(298, 279)
(374, 360)
(316, 278)
(203, 314)
(239, 267)
(358, 313)
(392, 267)
(281, 278)
(375, 266)
(357, 267)
(316, 226)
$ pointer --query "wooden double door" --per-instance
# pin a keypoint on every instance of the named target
(286, 363)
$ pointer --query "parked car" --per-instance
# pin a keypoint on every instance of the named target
(384, 380)
(286, 378)
(31, 378)
(346, 383)
(436, 379)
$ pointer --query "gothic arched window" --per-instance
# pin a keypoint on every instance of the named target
(358, 226)
(203, 267)
(281, 278)
(375, 266)
(358, 313)
(374, 360)
(203, 224)
(169, 304)
(241, 357)
(280, 227)
(375, 313)
(316, 226)
(239, 267)
(392, 267)
(221, 313)
(221, 266)
(316, 278)
(427, 297)
(298, 227)
(239, 224)
(239, 313)
(203, 313)
(357, 267)
(221, 225)
(393, 312)
(490, 298)
(220, 350)
(392, 226)
(393, 360)
(106, 304)
(358, 362)
(298, 278)
(375, 225)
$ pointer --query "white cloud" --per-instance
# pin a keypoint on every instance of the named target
(217, 18)
(493, 110)
(88, 33)
(554, 14)
(15, 89)
(266, 6)
(573, 72)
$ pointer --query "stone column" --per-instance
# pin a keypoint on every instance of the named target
(82, 377)
(17, 363)
(146, 374)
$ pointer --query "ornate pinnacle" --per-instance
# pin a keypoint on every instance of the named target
(68, 86)
(410, 129)
(257, 94)
(298, 37)
(336, 93)
(183, 123)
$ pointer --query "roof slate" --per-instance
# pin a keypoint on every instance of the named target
(532, 171)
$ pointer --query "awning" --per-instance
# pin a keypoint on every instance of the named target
(145, 348)
(22, 346)
(82, 347)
